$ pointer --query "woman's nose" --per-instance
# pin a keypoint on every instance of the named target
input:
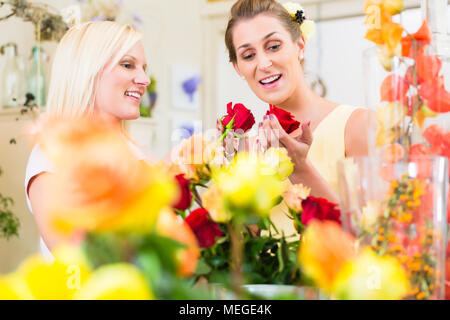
(264, 62)
(142, 79)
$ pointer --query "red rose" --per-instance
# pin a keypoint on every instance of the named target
(285, 118)
(186, 195)
(320, 209)
(204, 229)
(243, 118)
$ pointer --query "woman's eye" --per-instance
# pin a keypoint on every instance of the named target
(127, 65)
(274, 47)
(247, 56)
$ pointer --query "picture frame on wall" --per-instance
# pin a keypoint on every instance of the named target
(185, 85)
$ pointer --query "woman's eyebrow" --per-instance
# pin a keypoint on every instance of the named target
(127, 55)
(245, 45)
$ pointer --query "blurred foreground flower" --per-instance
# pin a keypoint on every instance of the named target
(371, 277)
(169, 225)
(324, 250)
(276, 161)
(120, 281)
(37, 279)
(246, 186)
(109, 188)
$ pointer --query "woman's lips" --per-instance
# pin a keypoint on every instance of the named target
(134, 99)
(272, 84)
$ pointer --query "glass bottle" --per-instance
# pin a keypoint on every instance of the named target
(12, 82)
(36, 77)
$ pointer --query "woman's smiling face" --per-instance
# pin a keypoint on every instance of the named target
(122, 86)
(267, 57)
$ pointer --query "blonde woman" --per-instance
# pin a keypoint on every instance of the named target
(99, 70)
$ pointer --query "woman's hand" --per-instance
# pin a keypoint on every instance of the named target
(271, 133)
(297, 147)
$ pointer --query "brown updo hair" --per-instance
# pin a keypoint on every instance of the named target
(246, 9)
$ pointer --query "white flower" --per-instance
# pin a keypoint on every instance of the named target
(292, 8)
(71, 15)
(308, 28)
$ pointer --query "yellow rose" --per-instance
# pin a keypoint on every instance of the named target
(371, 277)
(246, 185)
(59, 280)
(120, 281)
(276, 161)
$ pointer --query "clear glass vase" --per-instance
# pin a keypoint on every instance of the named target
(12, 80)
(399, 209)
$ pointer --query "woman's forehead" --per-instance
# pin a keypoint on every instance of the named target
(256, 29)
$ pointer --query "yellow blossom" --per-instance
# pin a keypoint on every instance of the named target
(276, 161)
(292, 8)
(308, 28)
(119, 281)
(371, 277)
(38, 279)
(245, 185)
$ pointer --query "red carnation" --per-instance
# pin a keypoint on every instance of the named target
(204, 229)
(186, 195)
(243, 117)
(320, 209)
(285, 118)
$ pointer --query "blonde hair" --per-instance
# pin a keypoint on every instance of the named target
(81, 56)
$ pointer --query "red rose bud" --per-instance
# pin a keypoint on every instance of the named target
(320, 209)
(241, 116)
(186, 195)
(285, 118)
(203, 227)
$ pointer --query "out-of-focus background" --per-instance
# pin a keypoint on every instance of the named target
(193, 79)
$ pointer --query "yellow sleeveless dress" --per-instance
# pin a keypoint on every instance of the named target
(327, 149)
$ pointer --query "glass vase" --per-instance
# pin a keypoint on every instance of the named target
(12, 89)
(398, 208)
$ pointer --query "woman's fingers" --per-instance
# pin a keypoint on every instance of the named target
(285, 139)
(306, 137)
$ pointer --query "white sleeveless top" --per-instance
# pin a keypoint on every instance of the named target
(38, 163)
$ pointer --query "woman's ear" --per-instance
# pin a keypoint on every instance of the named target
(301, 47)
(235, 66)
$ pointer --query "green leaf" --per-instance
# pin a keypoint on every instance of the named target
(202, 267)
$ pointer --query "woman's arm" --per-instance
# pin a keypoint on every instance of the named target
(37, 196)
(356, 132)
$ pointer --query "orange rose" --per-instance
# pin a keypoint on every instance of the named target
(170, 226)
(323, 251)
